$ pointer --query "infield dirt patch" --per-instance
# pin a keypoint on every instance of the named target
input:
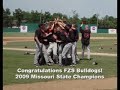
(96, 84)
(32, 38)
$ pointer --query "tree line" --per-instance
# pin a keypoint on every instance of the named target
(18, 16)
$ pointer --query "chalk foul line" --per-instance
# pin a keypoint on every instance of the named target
(25, 49)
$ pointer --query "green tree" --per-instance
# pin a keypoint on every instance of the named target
(26, 16)
(84, 20)
(112, 22)
(55, 15)
(18, 14)
(93, 19)
(47, 17)
(35, 16)
(108, 22)
(75, 18)
(6, 17)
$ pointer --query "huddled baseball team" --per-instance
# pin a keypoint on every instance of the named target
(56, 43)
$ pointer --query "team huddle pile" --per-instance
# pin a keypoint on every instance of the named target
(56, 43)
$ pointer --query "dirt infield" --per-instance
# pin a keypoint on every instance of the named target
(32, 38)
(96, 84)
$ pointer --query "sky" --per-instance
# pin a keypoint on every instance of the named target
(85, 8)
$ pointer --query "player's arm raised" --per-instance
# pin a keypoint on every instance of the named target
(81, 27)
(62, 25)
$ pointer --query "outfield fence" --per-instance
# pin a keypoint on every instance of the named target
(31, 27)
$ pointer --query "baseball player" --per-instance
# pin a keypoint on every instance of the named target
(52, 44)
(73, 50)
(85, 40)
(65, 37)
(68, 43)
(38, 44)
(72, 37)
(60, 41)
(45, 45)
(76, 38)
(41, 45)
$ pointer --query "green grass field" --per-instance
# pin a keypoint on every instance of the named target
(12, 60)
(17, 34)
(95, 45)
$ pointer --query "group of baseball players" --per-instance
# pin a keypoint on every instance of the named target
(56, 43)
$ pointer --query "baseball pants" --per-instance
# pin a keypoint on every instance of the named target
(66, 50)
(73, 53)
(37, 52)
(45, 54)
(52, 47)
(60, 49)
(76, 55)
(88, 51)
